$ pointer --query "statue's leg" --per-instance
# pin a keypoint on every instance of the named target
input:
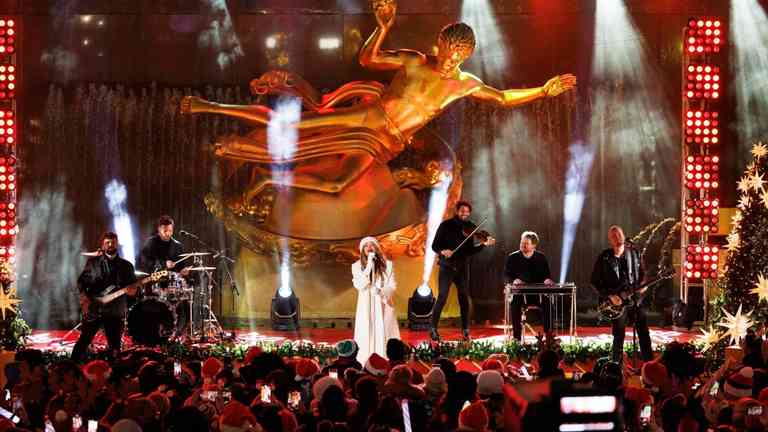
(254, 114)
(316, 176)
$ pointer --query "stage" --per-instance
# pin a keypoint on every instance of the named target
(62, 341)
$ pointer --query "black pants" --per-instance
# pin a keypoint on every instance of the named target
(445, 278)
(113, 328)
(619, 326)
(517, 312)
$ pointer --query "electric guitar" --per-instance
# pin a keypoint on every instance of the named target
(609, 311)
(93, 306)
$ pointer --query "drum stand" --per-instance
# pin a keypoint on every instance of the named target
(209, 325)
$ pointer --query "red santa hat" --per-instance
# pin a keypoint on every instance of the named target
(492, 364)
(654, 375)
(739, 384)
(211, 367)
(306, 369)
(376, 365)
(97, 370)
(474, 418)
(321, 385)
(236, 417)
(252, 353)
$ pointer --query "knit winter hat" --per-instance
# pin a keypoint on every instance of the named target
(739, 384)
(489, 382)
(368, 240)
(306, 368)
(435, 382)
(97, 370)
(346, 348)
(236, 417)
(474, 418)
(400, 374)
(211, 367)
(376, 365)
(321, 385)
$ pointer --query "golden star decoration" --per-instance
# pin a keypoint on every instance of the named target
(709, 338)
(734, 241)
(737, 218)
(761, 288)
(8, 302)
(759, 150)
(757, 182)
(744, 201)
(736, 325)
(744, 184)
(764, 197)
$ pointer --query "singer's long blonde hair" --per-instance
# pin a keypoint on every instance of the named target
(379, 261)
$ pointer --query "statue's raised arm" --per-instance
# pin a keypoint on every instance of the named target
(371, 54)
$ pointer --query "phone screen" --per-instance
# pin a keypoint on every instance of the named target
(406, 415)
(77, 422)
(587, 404)
(9, 415)
(715, 388)
(294, 399)
(177, 369)
(210, 395)
(755, 410)
(93, 425)
(226, 396)
(7, 395)
(49, 426)
(333, 374)
(645, 414)
(266, 394)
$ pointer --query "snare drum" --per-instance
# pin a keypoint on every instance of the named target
(177, 289)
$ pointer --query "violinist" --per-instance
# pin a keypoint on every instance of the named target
(528, 266)
(454, 243)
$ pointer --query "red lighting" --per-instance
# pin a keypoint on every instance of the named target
(701, 262)
(702, 172)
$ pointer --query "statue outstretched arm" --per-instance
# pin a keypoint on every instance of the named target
(516, 97)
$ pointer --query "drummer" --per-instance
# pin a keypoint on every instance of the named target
(162, 251)
(528, 266)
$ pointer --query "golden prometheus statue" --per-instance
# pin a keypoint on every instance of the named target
(341, 187)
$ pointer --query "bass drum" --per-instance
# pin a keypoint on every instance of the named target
(151, 322)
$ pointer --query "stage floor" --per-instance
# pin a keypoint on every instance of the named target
(63, 341)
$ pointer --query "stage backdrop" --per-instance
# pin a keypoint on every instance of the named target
(104, 143)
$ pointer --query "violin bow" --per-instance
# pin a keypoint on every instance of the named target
(470, 235)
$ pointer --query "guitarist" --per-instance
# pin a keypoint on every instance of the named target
(618, 270)
(100, 273)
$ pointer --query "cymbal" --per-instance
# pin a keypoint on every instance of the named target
(202, 268)
(91, 254)
(194, 254)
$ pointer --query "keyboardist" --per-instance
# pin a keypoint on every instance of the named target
(528, 266)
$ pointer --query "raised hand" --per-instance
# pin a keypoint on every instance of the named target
(271, 80)
(193, 104)
(385, 11)
(559, 84)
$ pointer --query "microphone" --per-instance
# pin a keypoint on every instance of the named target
(187, 233)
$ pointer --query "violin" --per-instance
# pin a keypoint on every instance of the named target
(471, 230)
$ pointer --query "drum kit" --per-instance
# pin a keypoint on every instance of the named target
(177, 308)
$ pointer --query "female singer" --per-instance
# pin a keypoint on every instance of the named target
(375, 320)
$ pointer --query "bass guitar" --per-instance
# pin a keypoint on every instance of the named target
(92, 308)
(609, 311)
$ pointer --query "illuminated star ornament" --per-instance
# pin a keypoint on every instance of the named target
(765, 198)
(757, 182)
(8, 302)
(709, 338)
(744, 184)
(734, 241)
(744, 202)
(736, 325)
(759, 150)
(761, 288)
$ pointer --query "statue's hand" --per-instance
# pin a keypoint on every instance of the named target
(193, 104)
(559, 84)
(271, 80)
(385, 11)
